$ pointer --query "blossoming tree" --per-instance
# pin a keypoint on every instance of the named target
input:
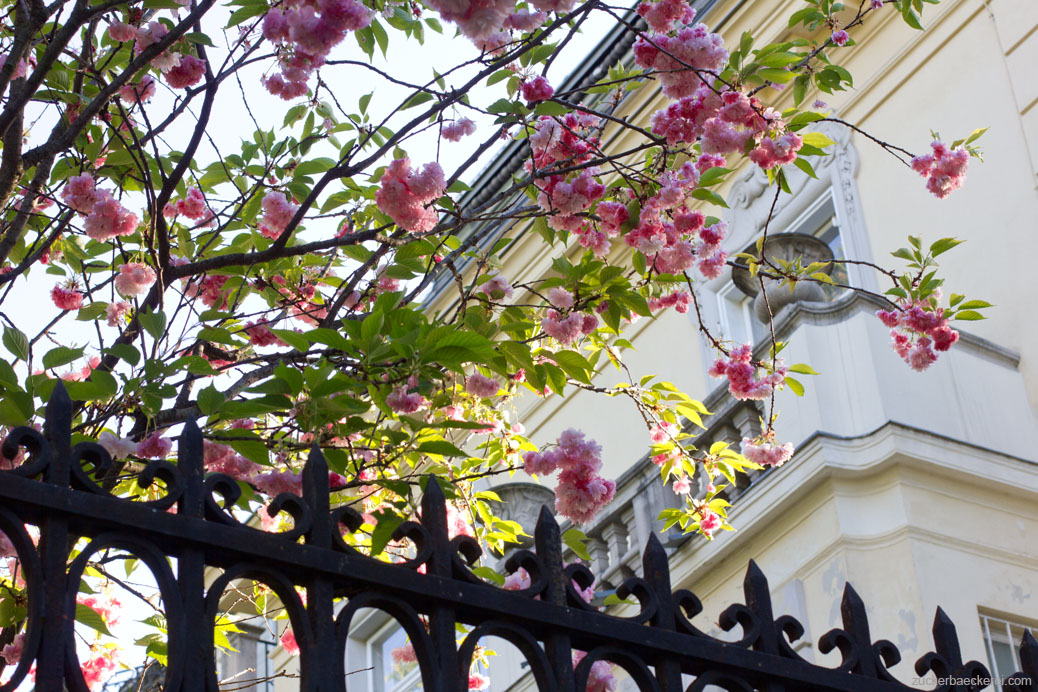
(274, 285)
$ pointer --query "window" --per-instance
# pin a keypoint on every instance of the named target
(820, 221)
(388, 673)
(1002, 640)
(249, 668)
(736, 321)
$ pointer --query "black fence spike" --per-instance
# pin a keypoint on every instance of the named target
(191, 465)
(316, 496)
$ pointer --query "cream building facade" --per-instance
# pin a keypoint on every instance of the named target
(921, 489)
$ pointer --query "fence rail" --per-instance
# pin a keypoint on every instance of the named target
(54, 489)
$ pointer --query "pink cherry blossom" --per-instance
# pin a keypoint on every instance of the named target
(537, 89)
(765, 451)
(140, 92)
(693, 46)
(663, 14)
(918, 331)
(709, 522)
(193, 205)
(109, 219)
(876, 4)
(840, 37)
(404, 194)
(273, 483)
(517, 580)
(99, 667)
(479, 385)
(454, 131)
(525, 20)
(80, 193)
(117, 447)
(12, 653)
(278, 211)
(404, 654)
(581, 492)
(745, 381)
(289, 643)
(565, 330)
(154, 446)
(260, 334)
(66, 297)
(134, 278)
(403, 402)
(120, 32)
(478, 681)
(188, 72)
(560, 298)
(498, 287)
(945, 169)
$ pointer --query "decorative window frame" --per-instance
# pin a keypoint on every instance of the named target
(750, 202)
(1007, 631)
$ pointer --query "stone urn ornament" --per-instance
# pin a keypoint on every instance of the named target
(521, 502)
(787, 247)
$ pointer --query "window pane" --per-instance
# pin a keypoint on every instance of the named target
(396, 670)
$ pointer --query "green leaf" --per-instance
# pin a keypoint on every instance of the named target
(574, 540)
(968, 315)
(574, 364)
(16, 342)
(91, 312)
(253, 450)
(62, 355)
(153, 322)
(210, 399)
(803, 369)
(817, 139)
(292, 338)
(975, 305)
(386, 524)
(91, 618)
(440, 447)
(795, 386)
(943, 245)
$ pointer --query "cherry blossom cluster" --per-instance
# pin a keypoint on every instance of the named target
(487, 22)
(709, 522)
(679, 300)
(745, 379)
(480, 385)
(918, 332)
(180, 70)
(134, 278)
(404, 194)
(402, 400)
(944, 168)
(105, 218)
(569, 138)
(581, 492)
(306, 31)
(567, 198)
(765, 451)
(675, 245)
(278, 211)
(454, 131)
(679, 57)
(537, 89)
(566, 329)
(192, 206)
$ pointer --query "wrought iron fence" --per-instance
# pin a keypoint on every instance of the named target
(54, 489)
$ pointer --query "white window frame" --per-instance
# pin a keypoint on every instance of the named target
(1006, 632)
(750, 201)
